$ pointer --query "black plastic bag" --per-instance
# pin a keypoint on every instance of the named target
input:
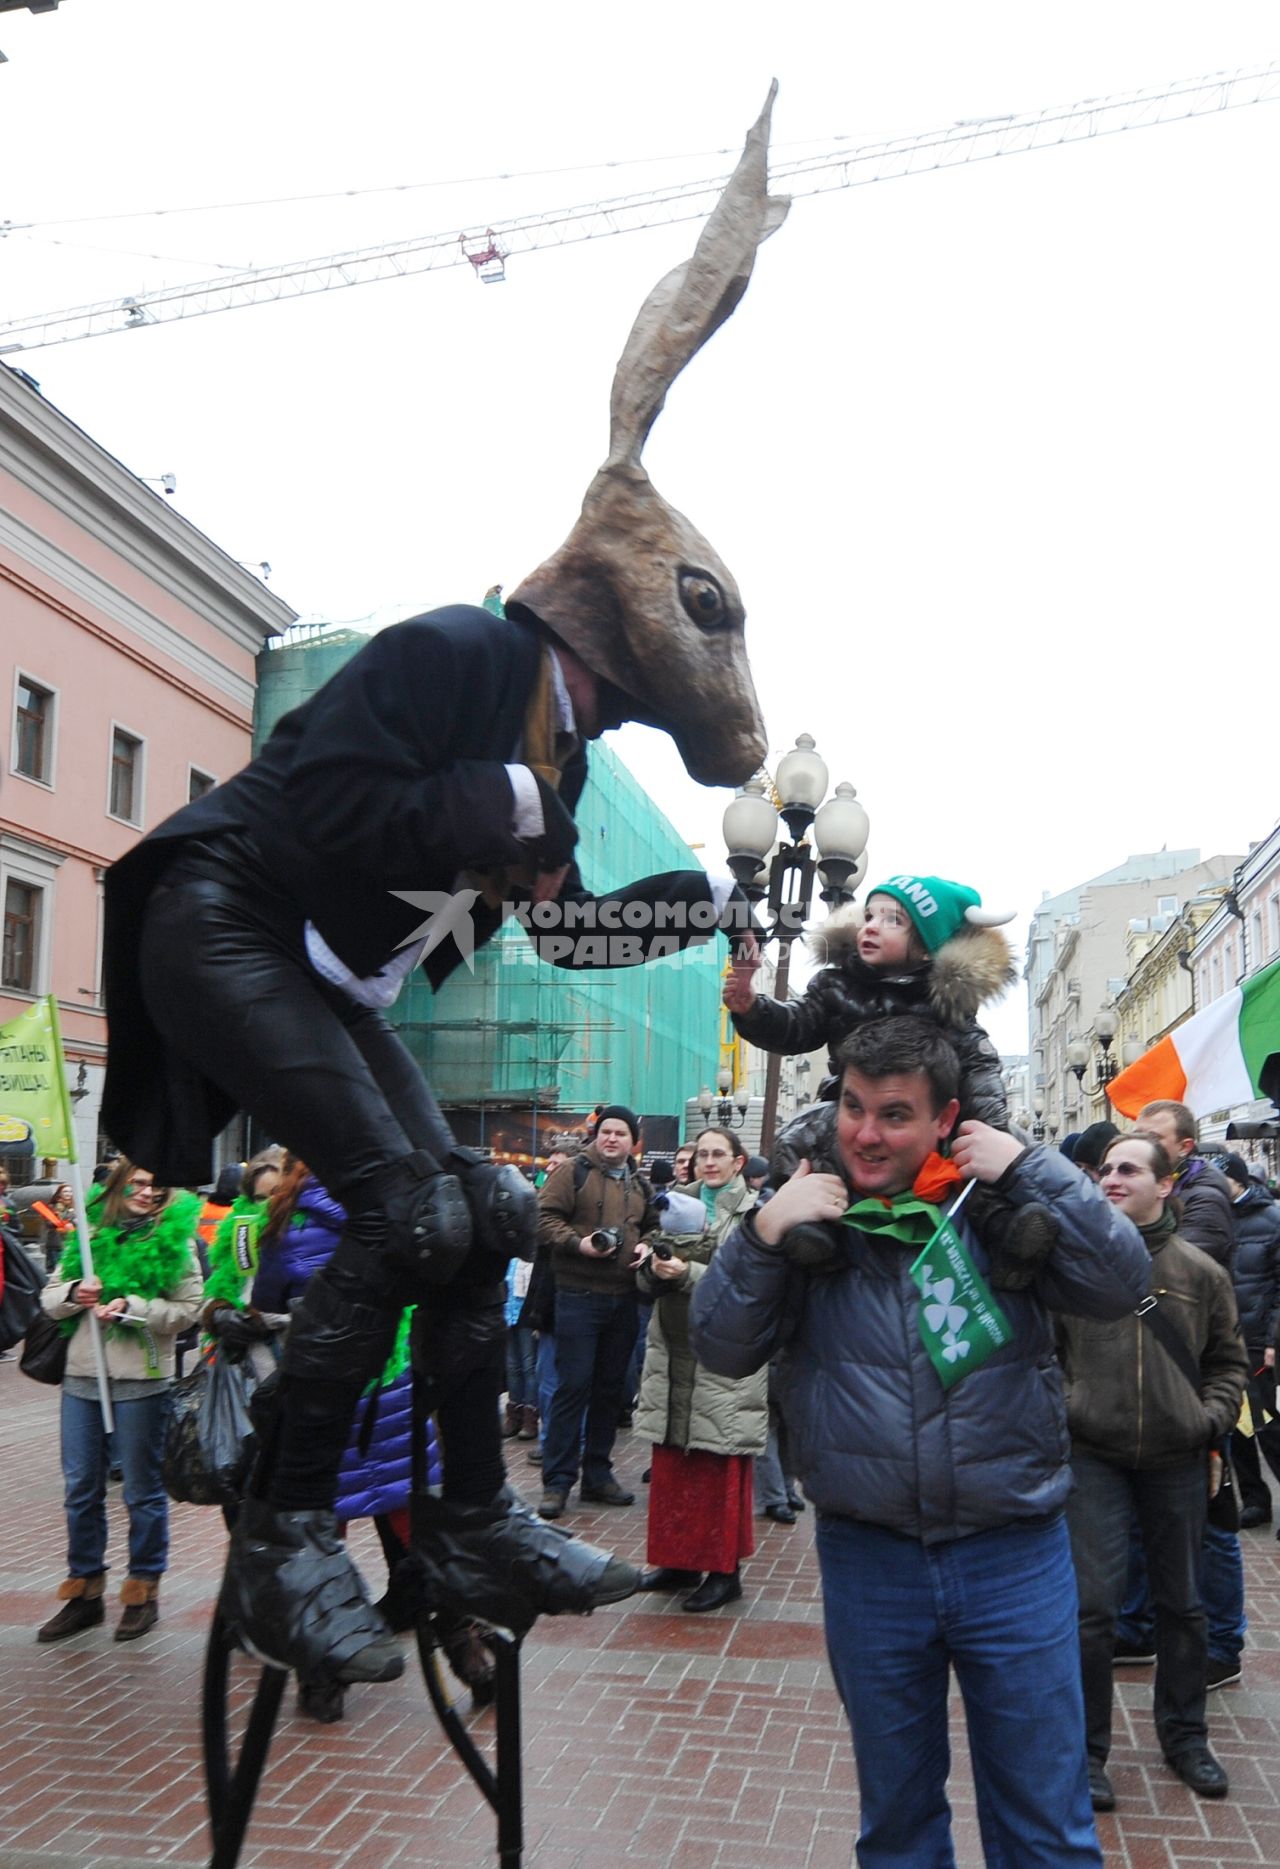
(210, 1441)
(22, 1287)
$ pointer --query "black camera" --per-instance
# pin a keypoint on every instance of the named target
(662, 1251)
(607, 1241)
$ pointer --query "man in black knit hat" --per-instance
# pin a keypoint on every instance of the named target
(597, 1216)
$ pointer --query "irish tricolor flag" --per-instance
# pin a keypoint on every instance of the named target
(1217, 1058)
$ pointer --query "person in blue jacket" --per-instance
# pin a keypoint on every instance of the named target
(927, 1426)
(301, 1225)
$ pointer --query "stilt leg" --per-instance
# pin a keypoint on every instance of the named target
(502, 1787)
(231, 1794)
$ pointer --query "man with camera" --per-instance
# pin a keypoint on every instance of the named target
(927, 1427)
(597, 1216)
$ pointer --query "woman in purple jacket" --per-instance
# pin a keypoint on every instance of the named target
(301, 1230)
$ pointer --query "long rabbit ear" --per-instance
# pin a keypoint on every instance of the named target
(691, 302)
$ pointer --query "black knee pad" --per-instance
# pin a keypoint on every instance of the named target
(503, 1204)
(429, 1226)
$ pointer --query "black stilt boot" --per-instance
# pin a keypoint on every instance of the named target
(502, 1564)
(294, 1599)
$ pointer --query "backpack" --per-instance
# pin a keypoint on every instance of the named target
(22, 1287)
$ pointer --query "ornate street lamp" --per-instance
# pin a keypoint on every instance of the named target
(726, 1107)
(1105, 1025)
(840, 831)
(781, 872)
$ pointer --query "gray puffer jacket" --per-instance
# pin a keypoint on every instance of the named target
(874, 1436)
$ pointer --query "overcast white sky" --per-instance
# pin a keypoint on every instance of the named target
(991, 453)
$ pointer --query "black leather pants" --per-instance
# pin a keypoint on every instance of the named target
(229, 986)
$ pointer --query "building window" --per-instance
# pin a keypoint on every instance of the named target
(1166, 905)
(125, 795)
(33, 731)
(21, 935)
(1255, 938)
(1275, 924)
(198, 783)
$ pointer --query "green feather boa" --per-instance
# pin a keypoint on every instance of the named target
(142, 1263)
(226, 1285)
(227, 1281)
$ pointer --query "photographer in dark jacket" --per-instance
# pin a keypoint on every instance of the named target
(595, 1221)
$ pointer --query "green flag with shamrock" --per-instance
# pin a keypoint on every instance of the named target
(960, 1322)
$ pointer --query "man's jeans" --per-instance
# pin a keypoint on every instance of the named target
(999, 1608)
(546, 1375)
(595, 1335)
(522, 1380)
(1221, 1592)
(1170, 1503)
(772, 1484)
(138, 1445)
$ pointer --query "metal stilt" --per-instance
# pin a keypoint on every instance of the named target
(502, 1783)
(231, 1792)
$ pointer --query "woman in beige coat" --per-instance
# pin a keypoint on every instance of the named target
(705, 1428)
(146, 1288)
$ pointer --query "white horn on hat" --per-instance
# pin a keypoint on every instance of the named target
(989, 918)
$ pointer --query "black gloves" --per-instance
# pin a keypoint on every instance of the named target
(237, 1330)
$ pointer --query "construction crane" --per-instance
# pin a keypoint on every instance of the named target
(968, 141)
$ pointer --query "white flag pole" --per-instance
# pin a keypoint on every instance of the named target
(960, 1199)
(86, 1265)
(71, 1153)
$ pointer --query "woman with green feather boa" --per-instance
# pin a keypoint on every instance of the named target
(145, 1290)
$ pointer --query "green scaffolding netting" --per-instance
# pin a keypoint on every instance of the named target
(517, 1031)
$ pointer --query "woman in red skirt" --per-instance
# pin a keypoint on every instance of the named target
(705, 1428)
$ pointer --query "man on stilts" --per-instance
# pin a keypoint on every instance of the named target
(253, 939)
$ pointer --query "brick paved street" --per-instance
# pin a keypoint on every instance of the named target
(655, 1740)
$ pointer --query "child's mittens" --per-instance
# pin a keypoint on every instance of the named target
(816, 1248)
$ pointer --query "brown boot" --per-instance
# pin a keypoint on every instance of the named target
(467, 1655)
(141, 1599)
(511, 1426)
(528, 1423)
(81, 1608)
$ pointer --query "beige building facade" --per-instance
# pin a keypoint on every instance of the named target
(1078, 960)
(127, 647)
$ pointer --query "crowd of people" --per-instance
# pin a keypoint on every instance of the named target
(1022, 1387)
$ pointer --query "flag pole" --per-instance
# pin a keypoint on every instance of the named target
(72, 1159)
(95, 1328)
(960, 1199)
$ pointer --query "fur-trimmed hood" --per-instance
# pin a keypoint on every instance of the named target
(975, 967)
